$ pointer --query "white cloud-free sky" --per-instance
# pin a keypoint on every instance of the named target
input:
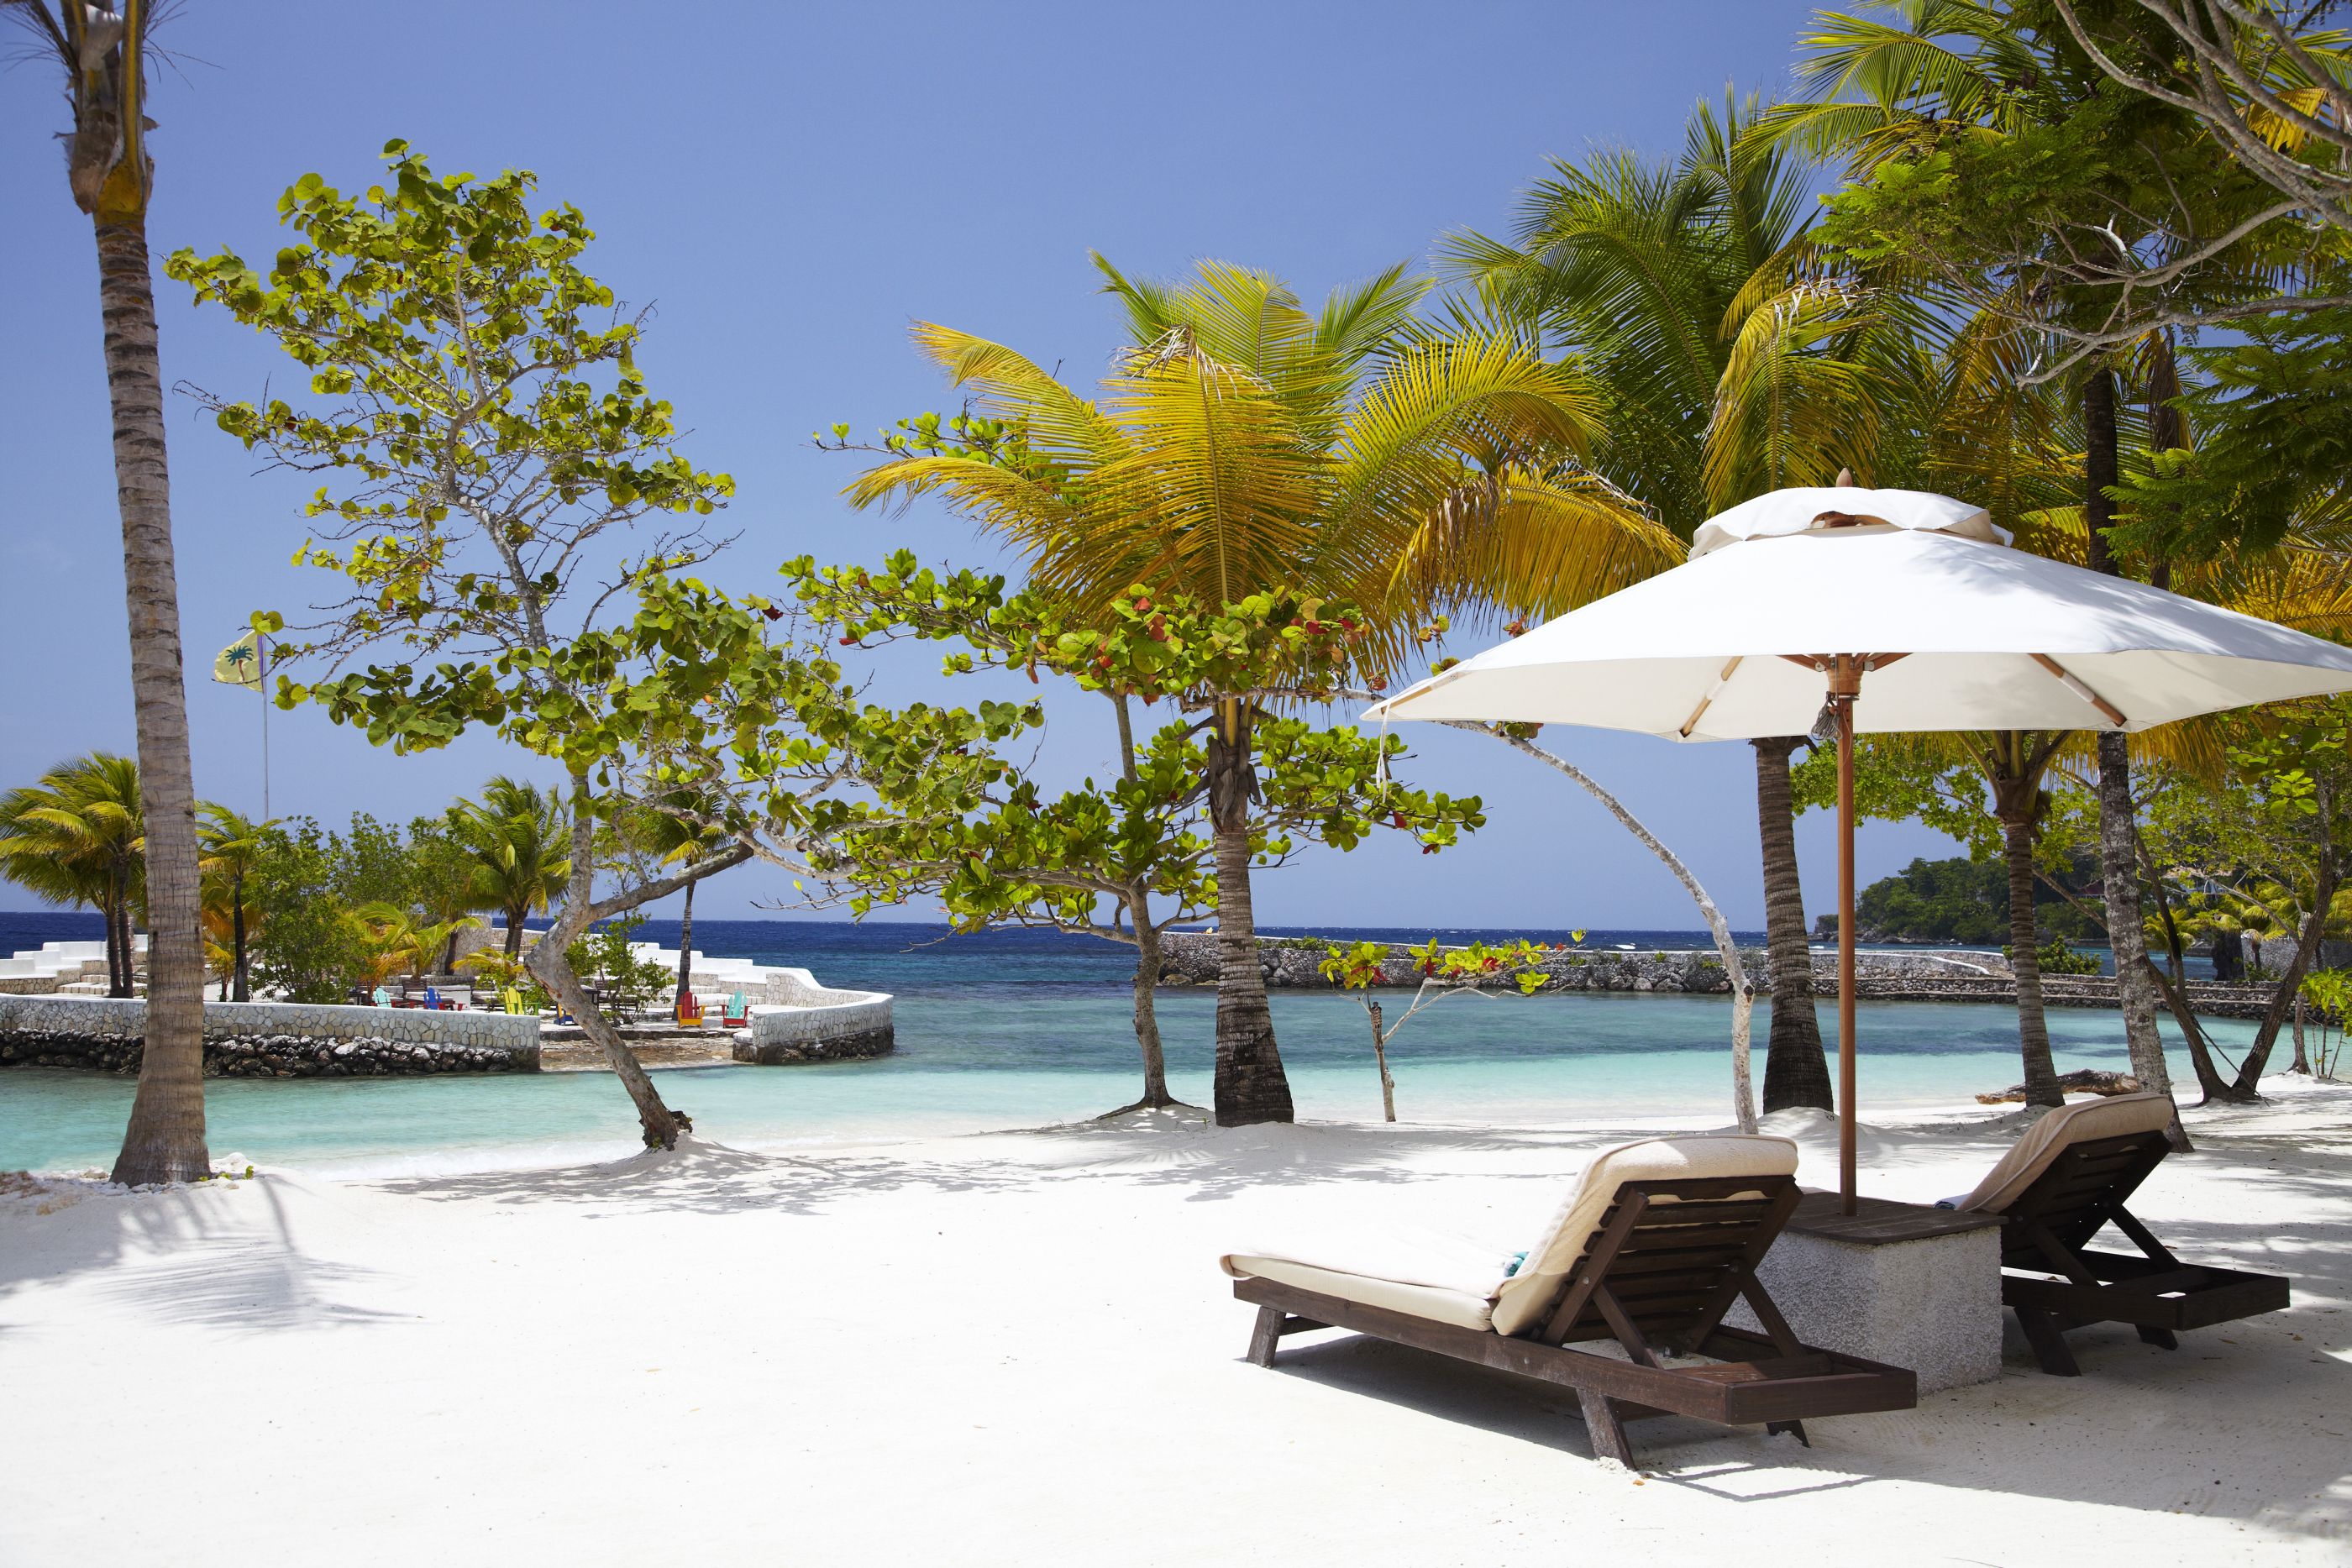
(789, 185)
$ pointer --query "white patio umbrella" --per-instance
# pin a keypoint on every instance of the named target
(1904, 610)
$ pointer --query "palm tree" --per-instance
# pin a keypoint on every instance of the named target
(404, 941)
(517, 843)
(1729, 357)
(1244, 442)
(230, 841)
(674, 840)
(1929, 72)
(102, 46)
(77, 837)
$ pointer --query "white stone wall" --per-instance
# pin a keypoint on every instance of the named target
(120, 1019)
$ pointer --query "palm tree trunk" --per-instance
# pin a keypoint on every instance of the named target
(685, 948)
(2119, 871)
(1250, 1083)
(126, 943)
(1146, 1013)
(1796, 1070)
(239, 966)
(2032, 1026)
(2126, 927)
(514, 932)
(165, 1138)
(116, 986)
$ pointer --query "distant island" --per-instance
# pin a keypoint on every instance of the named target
(1956, 900)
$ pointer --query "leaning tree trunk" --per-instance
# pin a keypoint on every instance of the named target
(2248, 1085)
(165, 1138)
(1743, 993)
(515, 918)
(2175, 992)
(1796, 1070)
(1250, 1083)
(660, 1124)
(685, 948)
(2025, 958)
(2119, 872)
(1146, 1010)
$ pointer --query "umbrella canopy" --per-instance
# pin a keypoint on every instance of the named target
(1904, 611)
(1988, 637)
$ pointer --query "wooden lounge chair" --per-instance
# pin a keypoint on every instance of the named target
(1651, 1251)
(2057, 1188)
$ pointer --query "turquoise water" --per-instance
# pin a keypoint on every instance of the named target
(1061, 1047)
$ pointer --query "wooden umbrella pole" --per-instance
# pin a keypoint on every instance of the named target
(1845, 684)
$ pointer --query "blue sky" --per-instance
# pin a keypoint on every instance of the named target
(789, 186)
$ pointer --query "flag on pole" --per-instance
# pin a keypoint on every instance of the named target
(240, 664)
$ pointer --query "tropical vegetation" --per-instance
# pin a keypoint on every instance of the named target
(102, 53)
(2085, 263)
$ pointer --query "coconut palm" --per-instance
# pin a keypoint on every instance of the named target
(102, 47)
(77, 837)
(517, 841)
(1929, 75)
(1243, 441)
(1730, 357)
(230, 841)
(402, 941)
(671, 839)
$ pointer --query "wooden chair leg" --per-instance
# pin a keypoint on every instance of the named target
(1794, 1428)
(1264, 1335)
(2162, 1338)
(1608, 1432)
(2049, 1342)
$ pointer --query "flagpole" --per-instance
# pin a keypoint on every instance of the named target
(261, 662)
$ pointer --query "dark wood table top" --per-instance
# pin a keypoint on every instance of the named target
(1881, 1221)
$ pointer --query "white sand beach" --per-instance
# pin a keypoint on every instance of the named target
(1017, 1349)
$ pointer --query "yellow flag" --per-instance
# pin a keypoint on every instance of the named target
(240, 664)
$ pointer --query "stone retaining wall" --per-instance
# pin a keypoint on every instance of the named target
(1190, 958)
(810, 1022)
(272, 1039)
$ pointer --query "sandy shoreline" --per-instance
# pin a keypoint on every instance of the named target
(1015, 1348)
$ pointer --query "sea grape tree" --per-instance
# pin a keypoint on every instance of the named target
(511, 525)
(1442, 972)
(1126, 859)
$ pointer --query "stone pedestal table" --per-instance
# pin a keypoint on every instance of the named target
(1900, 1283)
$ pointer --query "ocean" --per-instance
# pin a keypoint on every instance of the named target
(1016, 1027)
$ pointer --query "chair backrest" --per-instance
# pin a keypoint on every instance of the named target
(1704, 1198)
(2086, 1121)
(2085, 1187)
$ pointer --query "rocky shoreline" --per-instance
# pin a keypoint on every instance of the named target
(275, 1055)
(1189, 958)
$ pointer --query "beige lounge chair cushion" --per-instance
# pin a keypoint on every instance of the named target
(1405, 1269)
(2086, 1121)
(1448, 1281)
(1529, 1294)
